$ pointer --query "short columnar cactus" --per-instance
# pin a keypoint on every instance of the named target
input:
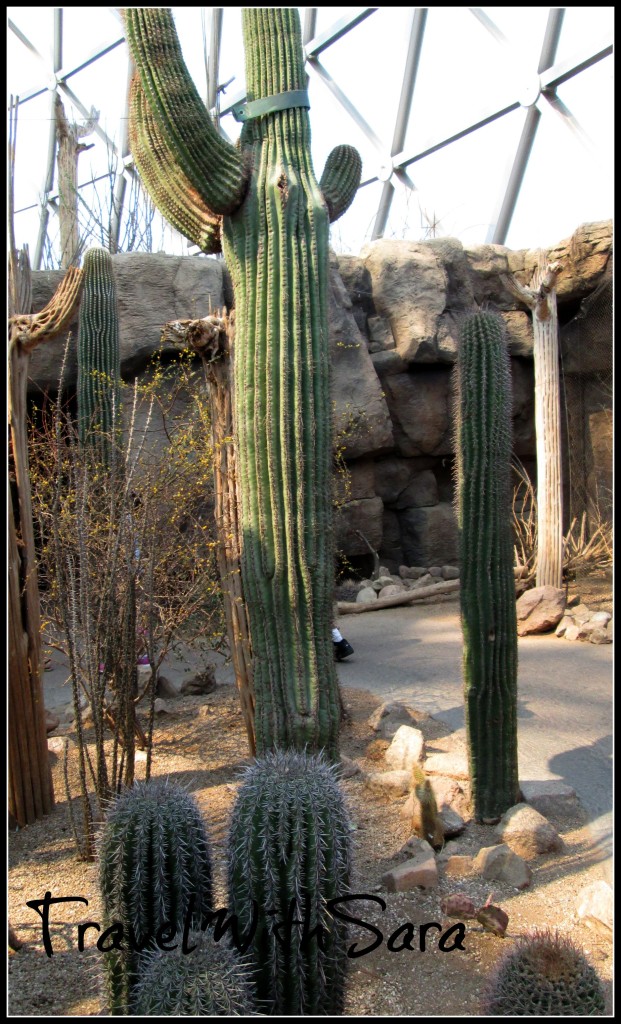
(154, 870)
(487, 590)
(544, 975)
(208, 981)
(289, 854)
(98, 355)
(275, 233)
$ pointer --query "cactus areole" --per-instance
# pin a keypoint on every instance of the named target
(275, 235)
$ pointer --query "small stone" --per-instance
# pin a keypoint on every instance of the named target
(387, 718)
(392, 590)
(159, 707)
(572, 632)
(56, 744)
(581, 613)
(600, 636)
(601, 618)
(435, 570)
(503, 865)
(564, 625)
(419, 870)
(458, 905)
(493, 919)
(407, 748)
(450, 572)
(412, 572)
(366, 595)
(527, 832)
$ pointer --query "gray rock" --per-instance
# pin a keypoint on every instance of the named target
(572, 632)
(503, 865)
(564, 625)
(422, 490)
(409, 288)
(366, 595)
(387, 718)
(540, 610)
(199, 683)
(435, 571)
(450, 572)
(419, 406)
(429, 534)
(165, 689)
(406, 749)
(413, 572)
(392, 590)
(527, 832)
(160, 707)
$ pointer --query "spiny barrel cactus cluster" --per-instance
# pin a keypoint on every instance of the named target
(275, 233)
(544, 975)
(208, 981)
(487, 591)
(289, 854)
(99, 361)
(154, 869)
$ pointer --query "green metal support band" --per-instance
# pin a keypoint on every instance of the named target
(270, 104)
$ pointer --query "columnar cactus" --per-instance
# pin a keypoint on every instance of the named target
(289, 854)
(98, 356)
(194, 977)
(275, 232)
(154, 869)
(487, 591)
(544, 975)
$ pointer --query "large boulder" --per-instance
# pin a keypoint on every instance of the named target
(540, 609)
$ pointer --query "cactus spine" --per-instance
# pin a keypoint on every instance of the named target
(208, 981)
(290, 851)
(544, 975)
(275, 233)
(154, 859)
(99, 359)
(487, 591)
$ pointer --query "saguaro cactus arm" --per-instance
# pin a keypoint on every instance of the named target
(211, 164)
(169, 188)
(340, 180)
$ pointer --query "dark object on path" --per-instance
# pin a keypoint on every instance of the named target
(342, 649)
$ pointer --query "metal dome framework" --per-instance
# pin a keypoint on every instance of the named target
(392, 163)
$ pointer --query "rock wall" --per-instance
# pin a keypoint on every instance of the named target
(395, 314)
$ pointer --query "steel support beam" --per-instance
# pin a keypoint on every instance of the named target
(527, 138)
(51, 148)
(417, 32)
(213, 63)
(336, 31)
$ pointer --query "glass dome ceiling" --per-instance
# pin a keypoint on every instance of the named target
(487, 124)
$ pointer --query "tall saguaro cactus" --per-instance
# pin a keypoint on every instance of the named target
(275, 235)
(487, 593)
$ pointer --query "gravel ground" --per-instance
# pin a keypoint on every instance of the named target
(201, 744)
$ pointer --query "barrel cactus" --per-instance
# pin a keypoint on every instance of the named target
(275, 231)
(487, 589)
(289, 854)
(99, 360)
(154, 870)
(544, 975)
(208, 981)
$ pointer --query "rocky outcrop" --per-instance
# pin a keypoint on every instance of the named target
(394, 319)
